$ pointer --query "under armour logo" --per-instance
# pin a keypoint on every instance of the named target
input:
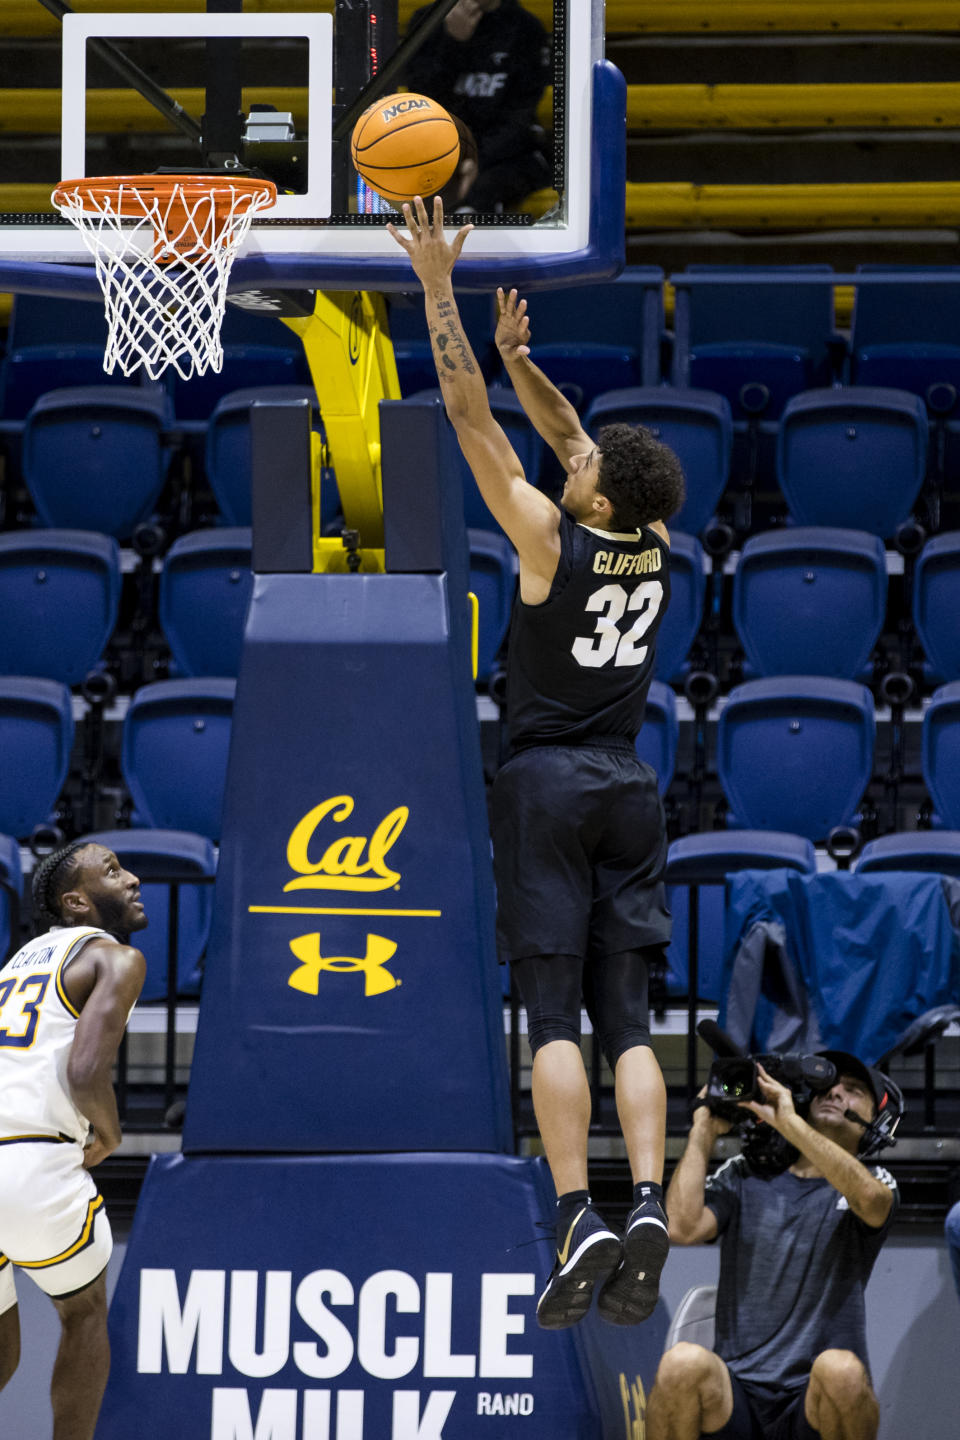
(377, 979)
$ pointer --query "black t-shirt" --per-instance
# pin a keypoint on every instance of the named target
(493, 81)
(580, 664)
(794, 1264)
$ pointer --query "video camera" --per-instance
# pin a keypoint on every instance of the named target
(733, 1079)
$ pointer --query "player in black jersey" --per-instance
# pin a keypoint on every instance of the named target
(578, 830)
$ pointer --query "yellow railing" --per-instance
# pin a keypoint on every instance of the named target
(649, 107)
(730, 16)
(770, 107)
(682, 206)
(27, 197)
(26, 17)
(113, 111)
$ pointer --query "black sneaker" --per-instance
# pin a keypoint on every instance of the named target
(630, 1295)
(587, 1254)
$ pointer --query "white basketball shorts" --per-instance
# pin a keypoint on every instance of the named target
(53, 1223)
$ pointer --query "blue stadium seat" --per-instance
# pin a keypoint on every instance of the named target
(706, 860)
(936, 851)
(679, 626)
(25, 375)
(54, 320)
(697, 426)
(907, 334)
(854, 457)
(510, 414)
(810, 601)
(659, 733)
(936, 603)
(940, 752)
(51, 343)
(795, 753)
(606, 336)
(96, 457)
(754, 342)
(245, 366)
(176, 738)
(228, 449)
(36, 737)
(205, 589)
(493, 579)
(63, 587)
(159, 857)
(11, 883)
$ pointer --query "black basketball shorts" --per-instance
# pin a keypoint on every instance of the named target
(579, 849)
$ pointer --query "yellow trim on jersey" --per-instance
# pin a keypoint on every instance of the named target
(70, 1007)
(4, 1260)
(86, 1235)
(36, 1139)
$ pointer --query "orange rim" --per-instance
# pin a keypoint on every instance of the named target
(175, 194)
(124, 188)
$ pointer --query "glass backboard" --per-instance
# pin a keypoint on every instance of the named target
(180, 84)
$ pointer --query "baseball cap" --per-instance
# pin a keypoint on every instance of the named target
(847, 1064)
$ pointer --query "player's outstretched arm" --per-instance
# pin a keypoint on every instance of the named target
(548, 410)
(117, 975)
(530, 520)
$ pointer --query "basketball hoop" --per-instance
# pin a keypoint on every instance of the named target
(163, 247)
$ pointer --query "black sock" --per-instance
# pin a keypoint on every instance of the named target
(647, 1190)
(569, 1204)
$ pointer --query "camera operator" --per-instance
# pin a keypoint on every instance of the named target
(790, 1359)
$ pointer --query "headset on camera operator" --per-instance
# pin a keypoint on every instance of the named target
(801, 1214)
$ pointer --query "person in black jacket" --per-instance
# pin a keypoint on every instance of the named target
(488, 64)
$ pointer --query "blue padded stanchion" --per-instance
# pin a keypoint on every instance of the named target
(356, 1298)
(352, 993)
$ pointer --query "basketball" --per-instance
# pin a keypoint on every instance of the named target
(405, 145)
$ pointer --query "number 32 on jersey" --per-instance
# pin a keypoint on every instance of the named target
(611, 642)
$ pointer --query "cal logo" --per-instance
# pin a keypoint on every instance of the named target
(401, 107)
(348, 862)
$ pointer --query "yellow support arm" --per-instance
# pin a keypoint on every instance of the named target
(353, 368)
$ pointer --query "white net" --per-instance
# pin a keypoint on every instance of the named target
(163, 254)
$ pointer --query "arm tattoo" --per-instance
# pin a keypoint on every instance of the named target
(451, 339)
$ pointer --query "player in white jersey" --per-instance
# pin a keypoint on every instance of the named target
(65, 999)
